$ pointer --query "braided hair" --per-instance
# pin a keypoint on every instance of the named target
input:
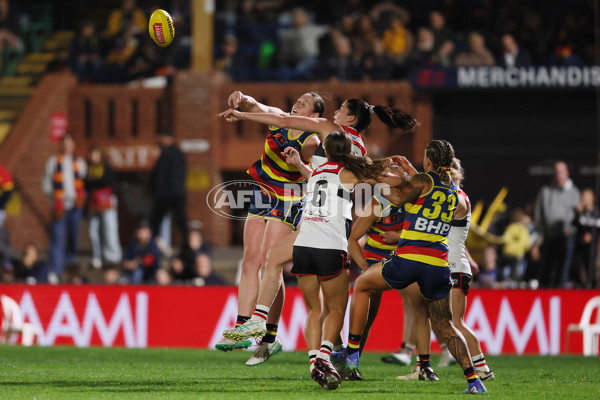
(457, 173)
(392, 117)
(441, 154)
(339, 146)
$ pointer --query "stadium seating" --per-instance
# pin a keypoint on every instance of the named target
(589, 329)
(12, 322)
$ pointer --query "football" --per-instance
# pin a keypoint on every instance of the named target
(161, 28)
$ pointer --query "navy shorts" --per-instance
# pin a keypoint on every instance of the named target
(434, 282)
(268, 207)
(324, 263)
(461, 281)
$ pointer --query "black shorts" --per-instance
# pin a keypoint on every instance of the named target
(461, 281)
(324, 263)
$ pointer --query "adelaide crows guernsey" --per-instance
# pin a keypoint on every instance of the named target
(391, 219)
(272, 170)
(327, 216)
(427, 221)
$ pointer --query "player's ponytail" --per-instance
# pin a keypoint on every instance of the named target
(339, 146)
(392, 117)
(441, 154)
(457, 173)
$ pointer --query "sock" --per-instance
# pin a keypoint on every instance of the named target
(271, 333)
(326, 349)
(353, 343)
(260, 312)
(312, 356)
(409, 348)
(470, 374)
(425, 360)
(418, 363)
(241, 320)
(479, 363)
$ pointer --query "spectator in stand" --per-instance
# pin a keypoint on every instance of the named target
(534, 36)
(63, 181)
(376, 64)
(167, 185)
(587, 223)
(232, 63)
(102, 209)
(7, 187)
(384, 11)
(298, 47)
(363, 36)
(398, 43)
(124, 34)
(512, 55)
(477, 54)
(127, 21)
(516, 243)
(184, 266)
(29, 268)
(141, 257)
(111, 274)
(147, 61)
(564, 52)
(555, 210)
(489, 269)
(342, 65)
(163, 277)
(443, 36)
(206, 276)
(86, 53)
(424, 50)
(9, 27)
(62, 62)
(73, 275)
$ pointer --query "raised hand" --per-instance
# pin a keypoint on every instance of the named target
(230, 115)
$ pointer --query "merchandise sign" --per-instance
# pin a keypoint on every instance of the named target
(505, 78)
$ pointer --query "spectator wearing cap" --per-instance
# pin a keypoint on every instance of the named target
(141, 256)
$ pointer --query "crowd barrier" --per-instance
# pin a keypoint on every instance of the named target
(506, 321)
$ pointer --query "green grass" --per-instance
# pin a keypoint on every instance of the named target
(94, 373)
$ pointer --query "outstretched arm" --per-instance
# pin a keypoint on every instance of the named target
(247, 103)
(321, 126)
(405, 189)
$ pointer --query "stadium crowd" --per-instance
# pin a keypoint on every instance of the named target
(322, 40)
(273, 40)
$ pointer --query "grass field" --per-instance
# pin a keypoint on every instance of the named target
(94, 373)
